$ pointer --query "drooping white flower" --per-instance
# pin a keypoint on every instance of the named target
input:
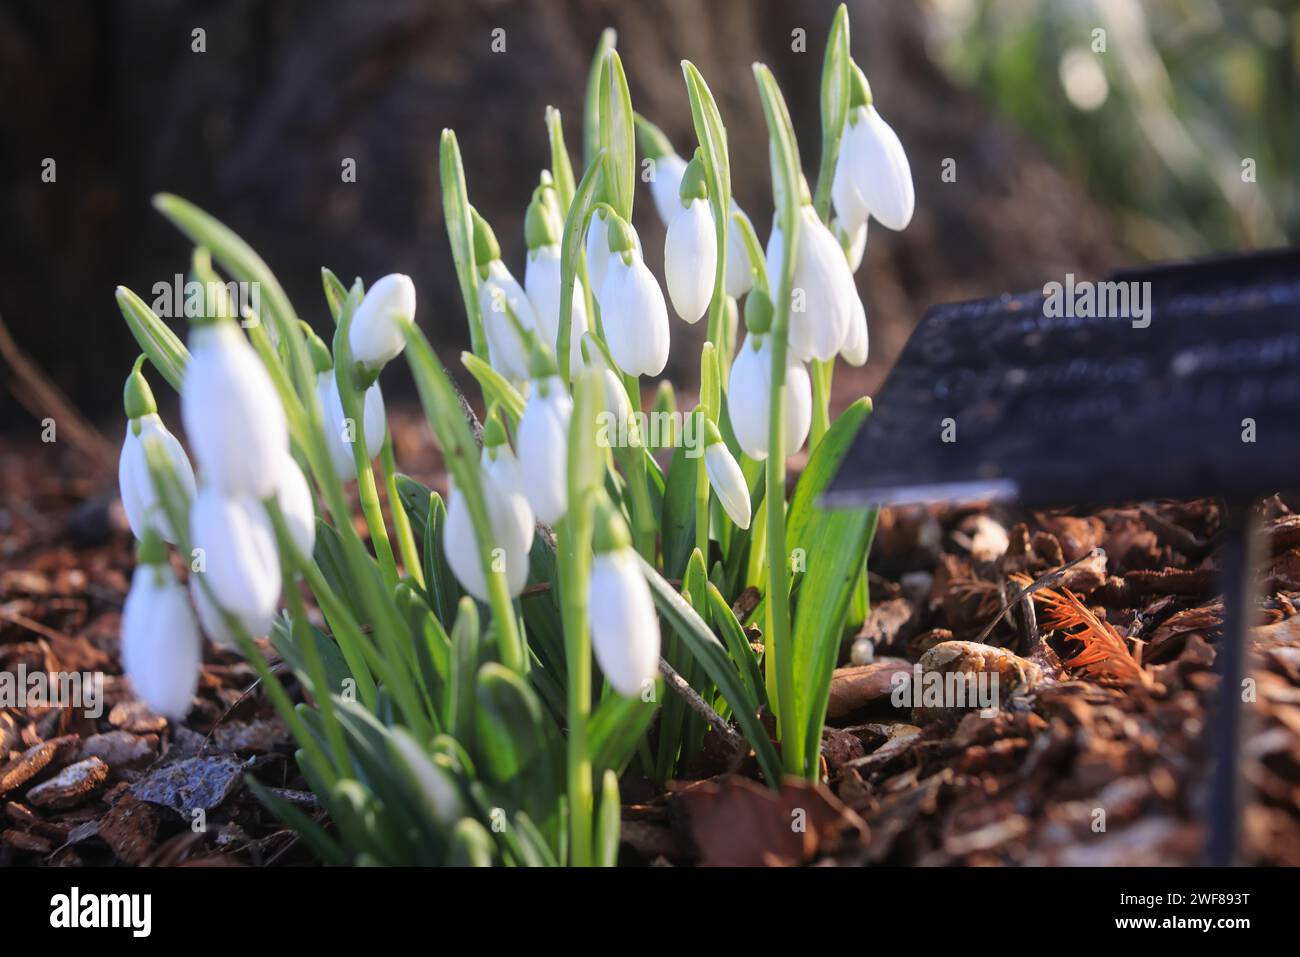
(725, 477)
(210, 619)
(690, 259)
(135, 482)
(342, 431)
(624, 626)
(236, 557)
(375, 336)
(498, 292)
(231, 412)
(872, 175)
(161, 648)
(668, 170)
(749, 398)
(632, 308)
(293, 495)
(598, 255)
(739, 279)
(544, 448)
(822, 305)
(854, 350)
(511, 521)
(853, 243)
(542, 283)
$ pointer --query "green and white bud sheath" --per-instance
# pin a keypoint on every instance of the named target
(725, 476)
(376, 335)
(135, 483)
(161, 647)
(231, 412)
(542, 233)
(690, 247)
(624, 627)
(544, 439)
(598, 249)
(499, 295)
(341, 432)
(749, 389)
(822, 312)
(872, 175)
(632, 307)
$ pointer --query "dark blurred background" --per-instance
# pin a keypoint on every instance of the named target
(1068, 158)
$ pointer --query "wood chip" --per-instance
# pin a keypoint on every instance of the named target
(131, 830)
(35, 760)
(74, 785)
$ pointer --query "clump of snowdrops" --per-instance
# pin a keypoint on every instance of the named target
(482, 670)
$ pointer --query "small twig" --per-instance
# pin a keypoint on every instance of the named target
(1175, 535)
(701, 707)
(1047, 580)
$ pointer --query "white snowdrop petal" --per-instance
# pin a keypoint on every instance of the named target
(375, 420)
(512, 532)
(507, 350)
(543, 447)
(240, 562)
(542, 284)
(139, 496)
(375, 336)
(728, 483)
(850, 207)
(739, 277)
(635, 317)
(854, 351)
(691, 259)
(882, 173)
(210, 620)
(293, 495)
(749, 397)
(624, 626)
(798, 405)
(232, 413)
(161, 648)
(666, 186)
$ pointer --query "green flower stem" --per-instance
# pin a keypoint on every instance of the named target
(401, 521)
(442, 407)
(632, 459)
(786, 166)
(821, 373)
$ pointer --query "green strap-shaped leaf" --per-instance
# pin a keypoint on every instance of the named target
(496, 387)
(591, 103)
(712, 656)
(834, 106)
(561, 165)
(460, 232)
(572, 247)
(617, 136)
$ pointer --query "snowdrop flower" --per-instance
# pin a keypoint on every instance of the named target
(739, 278)
(231, 412)
(507, 313)
(749, 389)
(624, 626)
(632, 306)
(544, 441)
(725, 477)
(293, 496)
(823, 288)
(376, 334)
(236, 556)
(511, 520)
(542, 281)
(598, 252)
(872, 175)
(499, 462)
(853, 243)
(690, 247)
(342, 430)
(854, 350)
(135, 483)
(666, 185)
(161, 648)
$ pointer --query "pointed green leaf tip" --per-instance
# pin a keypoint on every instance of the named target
(321, 360)
(540, 225)
(137, 397)
(758, 312)
(609, 531)
(486, 248)
(694, 181)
